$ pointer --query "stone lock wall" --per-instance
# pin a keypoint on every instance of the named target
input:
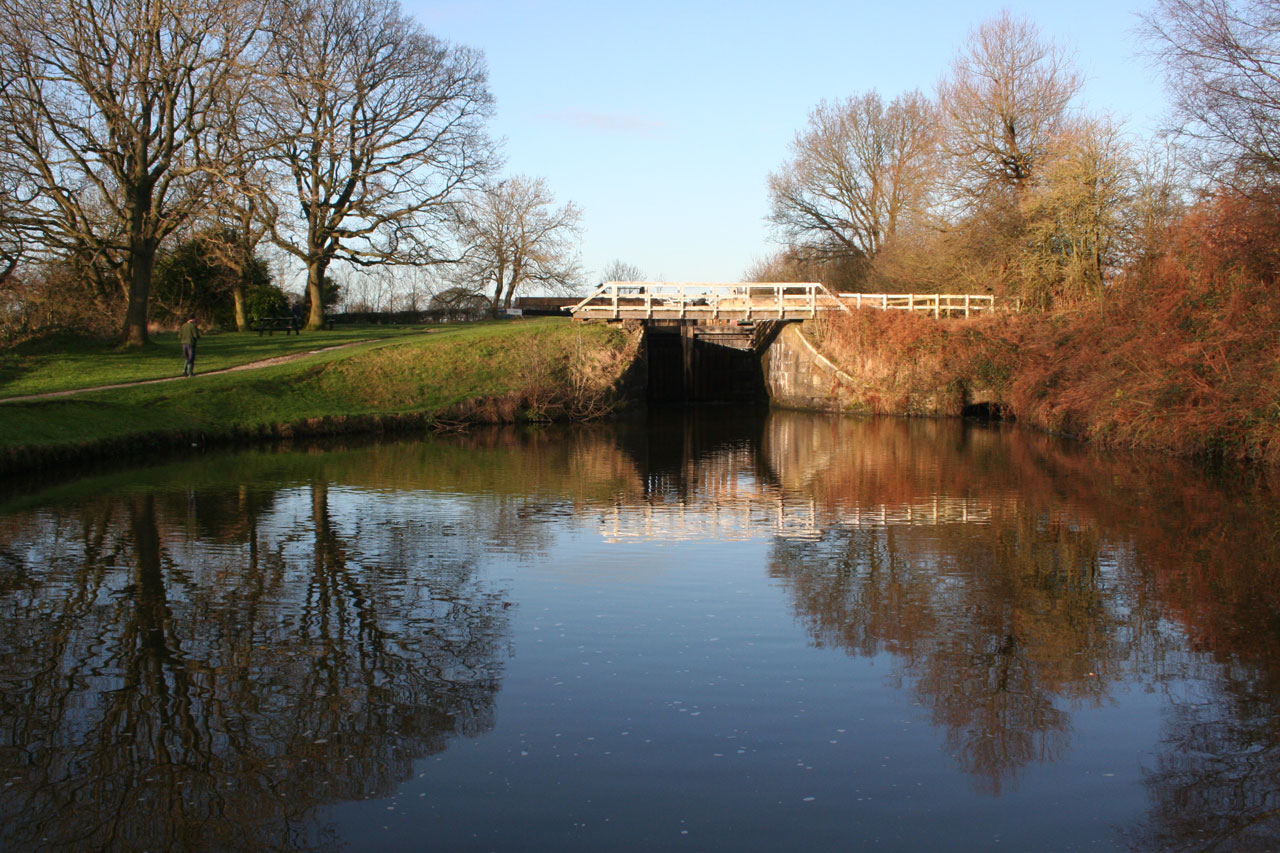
(797, 376)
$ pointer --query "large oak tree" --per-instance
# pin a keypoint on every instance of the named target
(1004, 102)
(110, 108)
(372, 127)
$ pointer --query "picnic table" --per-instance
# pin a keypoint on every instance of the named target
(271, 325)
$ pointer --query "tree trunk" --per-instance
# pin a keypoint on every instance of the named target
(497, 298)
(315, 289)
(517, 274)
(141, 263)
(141, 260)
(242, 316)
(511, 290)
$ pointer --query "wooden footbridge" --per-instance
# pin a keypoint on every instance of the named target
(749, 301)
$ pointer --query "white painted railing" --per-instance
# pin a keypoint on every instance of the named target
(660, 300)
(705, 300)
(937, 304)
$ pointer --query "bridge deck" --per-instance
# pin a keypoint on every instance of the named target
(648, 300)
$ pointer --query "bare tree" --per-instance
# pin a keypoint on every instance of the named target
(1222, 59)
(620, 270)
(1006, 99)
(12, 240)
(857, 170)
(375, 125)
(514, 236)
(246, 207)
(108, 105)
(1157, 201)
(234, 244)
(1075, 213)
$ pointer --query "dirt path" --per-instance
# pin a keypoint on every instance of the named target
(253, 365)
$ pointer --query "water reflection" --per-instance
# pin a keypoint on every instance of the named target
(200, 668)
(201, 654)
(1015, 580)
(1057, 577)
(1001, 614)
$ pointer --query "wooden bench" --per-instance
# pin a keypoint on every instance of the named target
(271, 325)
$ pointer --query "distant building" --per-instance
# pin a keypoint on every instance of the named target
(557, 306)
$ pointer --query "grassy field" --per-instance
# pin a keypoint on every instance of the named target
(65, 363)
(503, 371)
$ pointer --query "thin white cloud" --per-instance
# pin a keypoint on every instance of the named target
(613, 123)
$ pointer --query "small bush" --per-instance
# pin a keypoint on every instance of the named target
(41, 301)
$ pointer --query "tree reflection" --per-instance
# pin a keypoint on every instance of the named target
(1003, 616)
(999, 630)
(204, 665)
(168, 692)
(1215, 782)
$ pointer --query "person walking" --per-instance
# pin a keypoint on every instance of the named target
(187, 336)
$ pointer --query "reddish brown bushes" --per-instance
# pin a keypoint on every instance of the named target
(912, 364)
(1182, 357)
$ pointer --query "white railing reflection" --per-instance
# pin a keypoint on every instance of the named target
(742, 514)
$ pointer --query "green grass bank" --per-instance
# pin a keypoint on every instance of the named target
(64, 363)
(406, 379)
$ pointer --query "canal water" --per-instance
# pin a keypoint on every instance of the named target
(717, 629)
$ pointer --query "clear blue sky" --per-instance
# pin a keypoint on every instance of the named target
(662, 120)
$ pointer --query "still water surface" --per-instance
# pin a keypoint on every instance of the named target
(717, 630)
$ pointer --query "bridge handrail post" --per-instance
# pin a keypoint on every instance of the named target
(616, 315)
(966, 305)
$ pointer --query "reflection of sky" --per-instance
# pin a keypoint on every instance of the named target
(650, 642)
(372, 523)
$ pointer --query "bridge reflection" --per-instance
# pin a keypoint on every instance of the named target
(742, 511)
(803, 476)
